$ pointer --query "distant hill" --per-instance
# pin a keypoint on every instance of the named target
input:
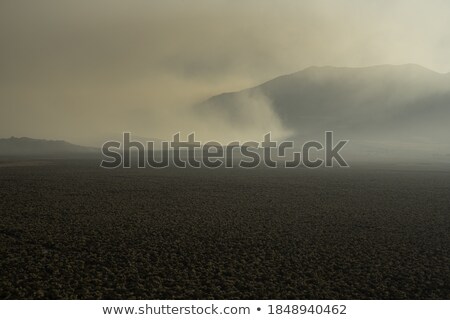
(27, 146)
(389, 107)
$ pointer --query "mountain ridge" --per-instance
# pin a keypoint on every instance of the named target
(29, 146)
(396, 103)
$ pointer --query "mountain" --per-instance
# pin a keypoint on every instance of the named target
(386, 107)
(27, 146)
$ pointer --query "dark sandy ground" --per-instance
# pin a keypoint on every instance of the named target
(69, 229)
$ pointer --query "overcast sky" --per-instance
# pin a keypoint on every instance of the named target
(88, 69)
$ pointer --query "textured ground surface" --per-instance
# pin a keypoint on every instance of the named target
(72, 230)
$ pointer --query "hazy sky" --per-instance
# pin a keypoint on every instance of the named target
(85, 70)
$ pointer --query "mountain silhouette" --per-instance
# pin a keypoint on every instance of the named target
(27, 146)
(386, 106)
